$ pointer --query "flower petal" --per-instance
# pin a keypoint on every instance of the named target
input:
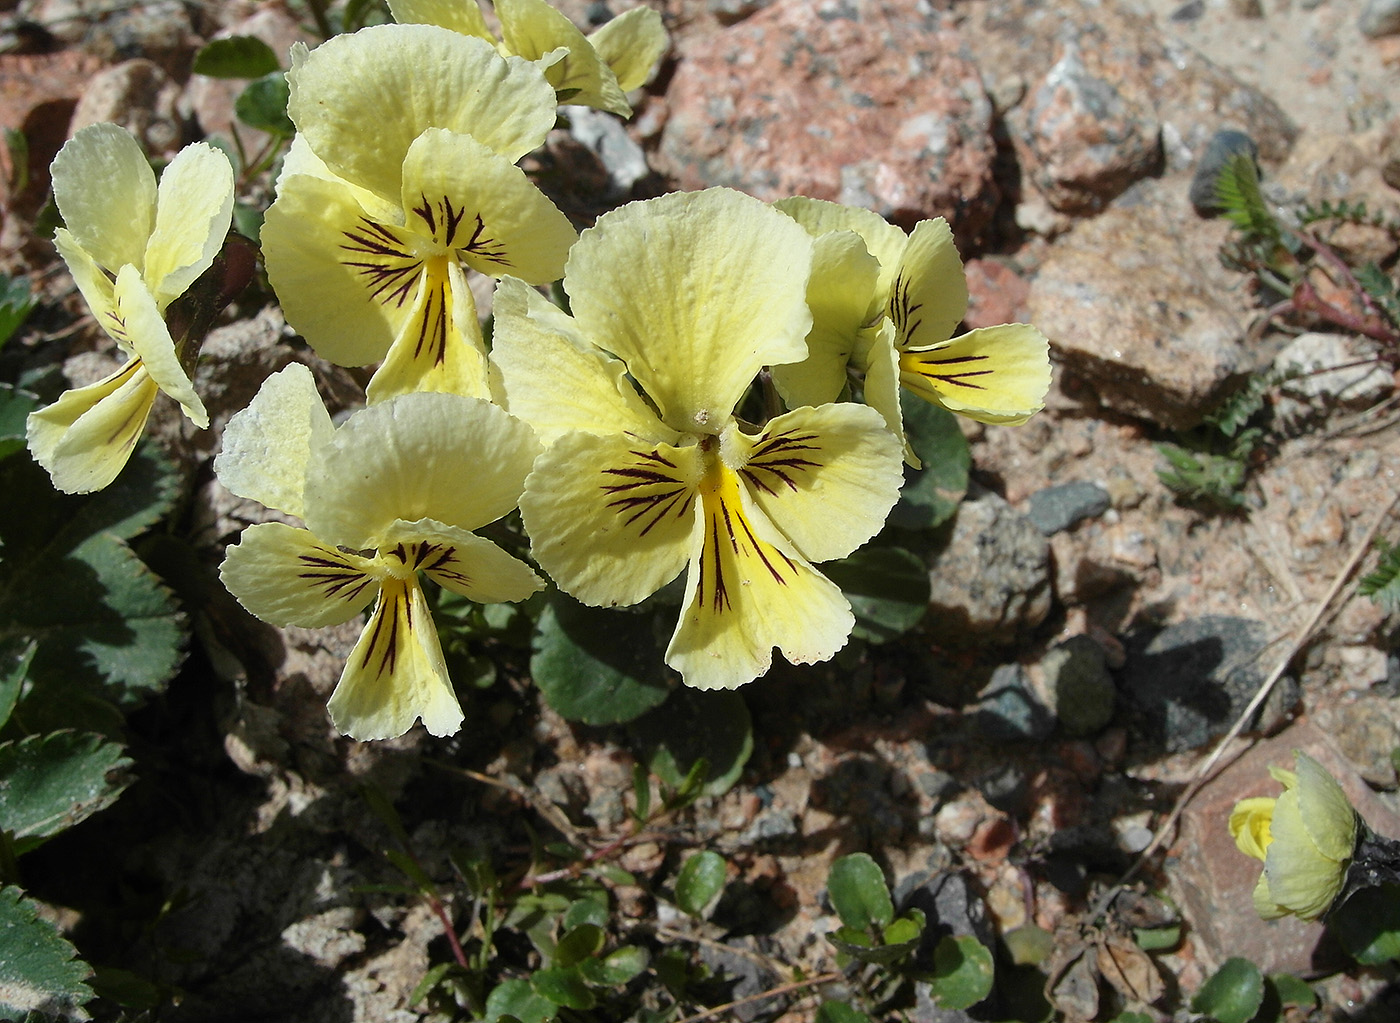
(267, 446)
(194, 207)
(474, 201)
(285, 576)
(1249, 825)
(610, 518)
(695, 291)
(1326, 811)
(105, 189)
(440, 347)
(346, 281)
(459, 15)
(1264, 903)
(881, 386)
(396, 673)
(137, 321)
(396, 81)
(928, 297)
(532, 29)
(839, 294)
(462, 562)
(747, 591)
(631, 44)
(85, 438)
(883, 240)
(558, 382)
(994, 375)
(460, 461)
(826, 477)
(94, 284)
(1301, 878)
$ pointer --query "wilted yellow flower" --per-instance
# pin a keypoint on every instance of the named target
(1306, 838)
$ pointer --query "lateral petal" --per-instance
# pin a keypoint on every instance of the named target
(883, 240)
(695, 291)
(558, 382)
(532, 29)
(631, 44)
(1301, 878)
(826, 477)
(481, 206)
(994, 375)
(91, 279)
(928, 297)
(460, 461)
(138, 322)
(882, 383)
(285, 576)
(398, 81)
(105, 189)
(610, 518)
(396, 673)
(747, 591)
(194, 207)
(346, 281)
(459, 15)
(267, 446)
(462, 562)
(85, 438)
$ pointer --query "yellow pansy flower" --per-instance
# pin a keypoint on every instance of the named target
(370, 239)
(133, 246)
(886, 304)
(596, 70)
(1306, 838)
(690, 295)
(393, 493)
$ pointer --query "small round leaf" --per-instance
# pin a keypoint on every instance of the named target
(1233, 994)
(596, 665)
(701, 879)
(962, 972)
(858, 892)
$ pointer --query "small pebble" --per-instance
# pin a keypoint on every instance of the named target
(1223, 145)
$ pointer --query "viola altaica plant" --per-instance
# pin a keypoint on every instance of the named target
(369, 246)
(690, 296)
(133, 246)
(393, 492)
(885, 305)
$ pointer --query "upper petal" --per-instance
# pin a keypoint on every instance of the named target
(267, 446)
(138, 322)
(194, 207)
(610, 517)
(883, 240)
(747, 591)
(992, 374)
(460, 461)
(695, 291)
(532, 29)
(459, 15)
(1326, 811)
(105, 189)
(631, 44)
(285, 576)
(928, 297)
(555, 380)
(395, 82)
(827, 477)
(85, 438)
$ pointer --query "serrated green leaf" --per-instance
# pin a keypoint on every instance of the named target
(263, 105)
(17, 301)
(15, 406)
(858, 892)
(564, 986)
(1233, 994)
(700, 881)
(517, 998)
(840, 1012)
(616, 968)
(962, 972)
(888, 588)
(932, 494)
(595, 665)
(236, 57)
(39, 969)
(692, 725)
(51, 782)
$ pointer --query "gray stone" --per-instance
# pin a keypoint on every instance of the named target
(952, 907)
(1057, 508)
(727, 12)
(1380, 18)
(991, 582)
(1082, 690)
(606, 137)
(1190, 681)
(742, 975)
(1005, 787)
(1010, 709)
(1339, 371)
(1224, 145)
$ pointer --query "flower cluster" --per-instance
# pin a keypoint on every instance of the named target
(619, 427)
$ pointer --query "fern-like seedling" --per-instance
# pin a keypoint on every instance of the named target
(1383, 585)
(1383, 291)
(1241, 201)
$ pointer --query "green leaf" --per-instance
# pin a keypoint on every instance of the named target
(517, 998)
(1241, 201)
(1293, 990)
(840, 1012)
(858, 892)
(578, 944)
(16, 303)
(1233, 994)
(616, 968)
(905, 930)
(932, 494)
(962, 972)
(1029, 944)
(595, 665)
(1383, 585)
(18, 144)
(15, 406)
(1157, 939)
(1369, 927)
(127, 989)
(263, 105)
(236, 57)
(15, 658)
(1382, 289)
(564, 986)
(51, 782)
(641, 790)
(700, 881)
(585, 911)
(39, 969)
(888, 588)
(695, 724)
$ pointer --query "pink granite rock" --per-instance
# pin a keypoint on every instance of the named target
(874, 103)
